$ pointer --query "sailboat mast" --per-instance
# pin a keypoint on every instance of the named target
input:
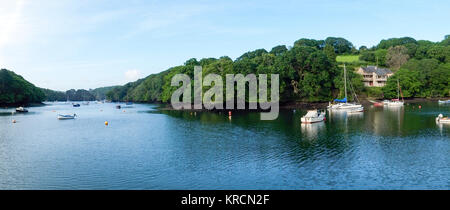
(398, 89)
(345, 83)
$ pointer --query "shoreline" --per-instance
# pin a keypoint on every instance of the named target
(296, 105)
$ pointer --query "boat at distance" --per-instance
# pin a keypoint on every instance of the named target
(442, 119)
(21, 110)
(313, 116)
(444, 102)
(76, 105)
(66, 117)
(397, 102)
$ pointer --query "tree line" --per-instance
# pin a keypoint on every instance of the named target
(309, 71)
(16, 91)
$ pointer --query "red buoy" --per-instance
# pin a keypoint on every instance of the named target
(229, 113)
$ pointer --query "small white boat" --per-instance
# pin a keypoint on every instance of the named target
(313, 116)
(442, 119)
(385, 102)
(444, 102)
(66, 117)
(21, 109)
(395, 103)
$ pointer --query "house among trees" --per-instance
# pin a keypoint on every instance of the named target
(374, 76)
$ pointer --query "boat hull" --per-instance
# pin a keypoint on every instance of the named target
(311, 120)
(66, 117)
(395, 104)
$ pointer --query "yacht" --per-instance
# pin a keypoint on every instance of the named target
(343, 104)
(396, 102)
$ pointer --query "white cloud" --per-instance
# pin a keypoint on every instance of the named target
(132, 75)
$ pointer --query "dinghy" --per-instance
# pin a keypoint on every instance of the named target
(76, 105)
(66, 117)
(313, 116)
(442, 119)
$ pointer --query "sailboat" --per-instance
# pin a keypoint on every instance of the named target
(343, 104)
(396, 102)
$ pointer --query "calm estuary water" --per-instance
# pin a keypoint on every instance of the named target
(143, 148)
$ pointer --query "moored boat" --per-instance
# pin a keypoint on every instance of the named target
(66, 117)
(397, 102)
(442, 119)
(444, 102)
(378, 104)
(76, 105)
(21, 110)
(313, 116)
(343, 104)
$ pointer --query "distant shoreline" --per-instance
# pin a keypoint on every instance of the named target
(299, 105)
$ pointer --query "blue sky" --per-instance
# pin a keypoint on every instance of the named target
(64, 44)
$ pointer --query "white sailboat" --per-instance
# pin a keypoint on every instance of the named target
(343, 104)
(313, 116)
(396, 102)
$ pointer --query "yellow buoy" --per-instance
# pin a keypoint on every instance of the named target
(106, 123)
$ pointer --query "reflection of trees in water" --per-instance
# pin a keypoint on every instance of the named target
(387, 121)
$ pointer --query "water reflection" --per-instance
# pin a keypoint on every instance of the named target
(312, 131)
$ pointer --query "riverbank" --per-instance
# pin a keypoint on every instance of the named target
(8, 106)
(303, 105)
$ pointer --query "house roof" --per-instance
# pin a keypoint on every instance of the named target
(378, 71)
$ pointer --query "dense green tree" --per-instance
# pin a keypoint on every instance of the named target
(15, 90)
(386, 44)
(380, 57)
(440, 53)
(279, 50)
(318, 44)
(341, 45)
(410, 85)
(396, 57)
(368, 56)
(330, 52)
